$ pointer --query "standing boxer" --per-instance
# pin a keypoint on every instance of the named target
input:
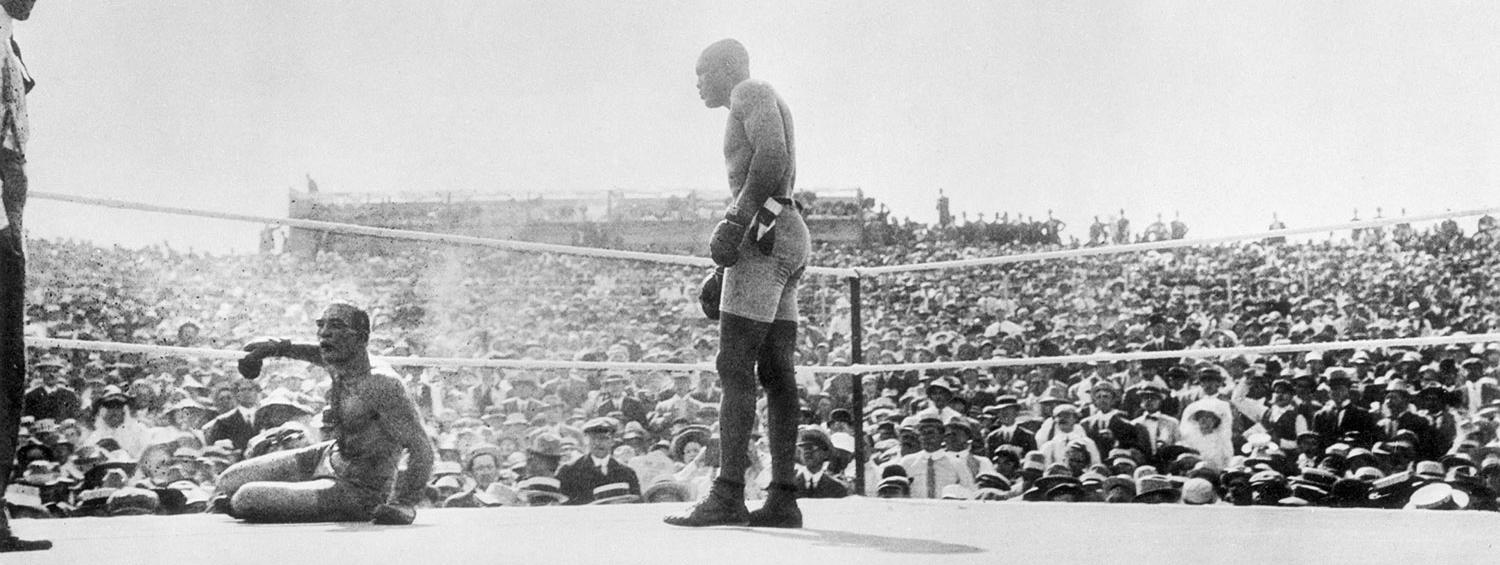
(14, 84)
(761, 247)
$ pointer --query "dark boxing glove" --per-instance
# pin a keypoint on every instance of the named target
(393, 514)
(725, 245)
(708, 295)
(257, 351)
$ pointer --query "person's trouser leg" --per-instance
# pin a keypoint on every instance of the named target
(12, 333)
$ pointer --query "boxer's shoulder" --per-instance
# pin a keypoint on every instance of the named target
(385, 380)
(752, 93)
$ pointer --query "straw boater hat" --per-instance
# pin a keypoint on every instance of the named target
(541, 487)
(666, 487)
(614, 493)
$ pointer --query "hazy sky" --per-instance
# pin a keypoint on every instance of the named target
(1224, 112)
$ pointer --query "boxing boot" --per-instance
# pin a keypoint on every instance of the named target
(724, 506)
(780, 509)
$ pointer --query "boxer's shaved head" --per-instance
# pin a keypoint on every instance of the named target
(722, 65)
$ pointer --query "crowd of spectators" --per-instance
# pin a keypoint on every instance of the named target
(129, 433)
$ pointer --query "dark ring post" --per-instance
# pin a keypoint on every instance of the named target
(856, 356)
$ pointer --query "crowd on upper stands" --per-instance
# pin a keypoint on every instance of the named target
(130, 433)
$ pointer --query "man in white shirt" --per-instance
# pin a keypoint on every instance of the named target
(934, 467)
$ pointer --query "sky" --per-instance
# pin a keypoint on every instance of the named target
(1224, 113)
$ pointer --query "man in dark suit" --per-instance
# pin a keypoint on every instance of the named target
(1160, 341)
(598, 467)
(1107, 426)
(1341, 417)
(238, 424)
(614, 400)
(1006, 432)
(53, 399)
(815, 477)
(1398, 405)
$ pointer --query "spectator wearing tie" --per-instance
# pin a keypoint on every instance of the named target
(958, 436)
(614, 399)
(933, 467)
(1161, 430)
(815, 477)
(1107, 426)
(1342, 417)
(598, 467)
(1285, 420)
(1006, 431)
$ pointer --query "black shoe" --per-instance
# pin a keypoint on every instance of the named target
(11, 543)
(719, 508)
(779, 511)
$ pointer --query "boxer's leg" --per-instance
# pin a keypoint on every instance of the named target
(319, 500)
(747, 307)
(283, 466)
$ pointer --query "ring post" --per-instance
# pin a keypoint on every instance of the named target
(856, 356)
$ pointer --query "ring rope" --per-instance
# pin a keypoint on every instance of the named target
(821, 369)
(1168, 244)
(409, 234)
(705, 262)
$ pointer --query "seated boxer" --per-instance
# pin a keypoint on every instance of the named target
(353, 476)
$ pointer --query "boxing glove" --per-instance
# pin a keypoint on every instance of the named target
(709, 293)
(725, 245)
(257, 351)
(392, 514)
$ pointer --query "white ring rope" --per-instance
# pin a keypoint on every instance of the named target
(840, 369)
(409, 234)
(1168, 244)
(841, 272)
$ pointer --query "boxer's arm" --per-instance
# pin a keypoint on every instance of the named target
(258, 350)
(754, 105)
(398, 417)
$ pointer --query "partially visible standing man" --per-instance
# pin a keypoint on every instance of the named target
(761, 247)
(15, 82)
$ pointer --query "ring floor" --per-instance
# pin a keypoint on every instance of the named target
(853, 530)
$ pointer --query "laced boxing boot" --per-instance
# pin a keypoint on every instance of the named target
(780, 509)
(724, 506)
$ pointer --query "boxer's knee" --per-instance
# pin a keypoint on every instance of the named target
(775, 367)
(740, 341)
